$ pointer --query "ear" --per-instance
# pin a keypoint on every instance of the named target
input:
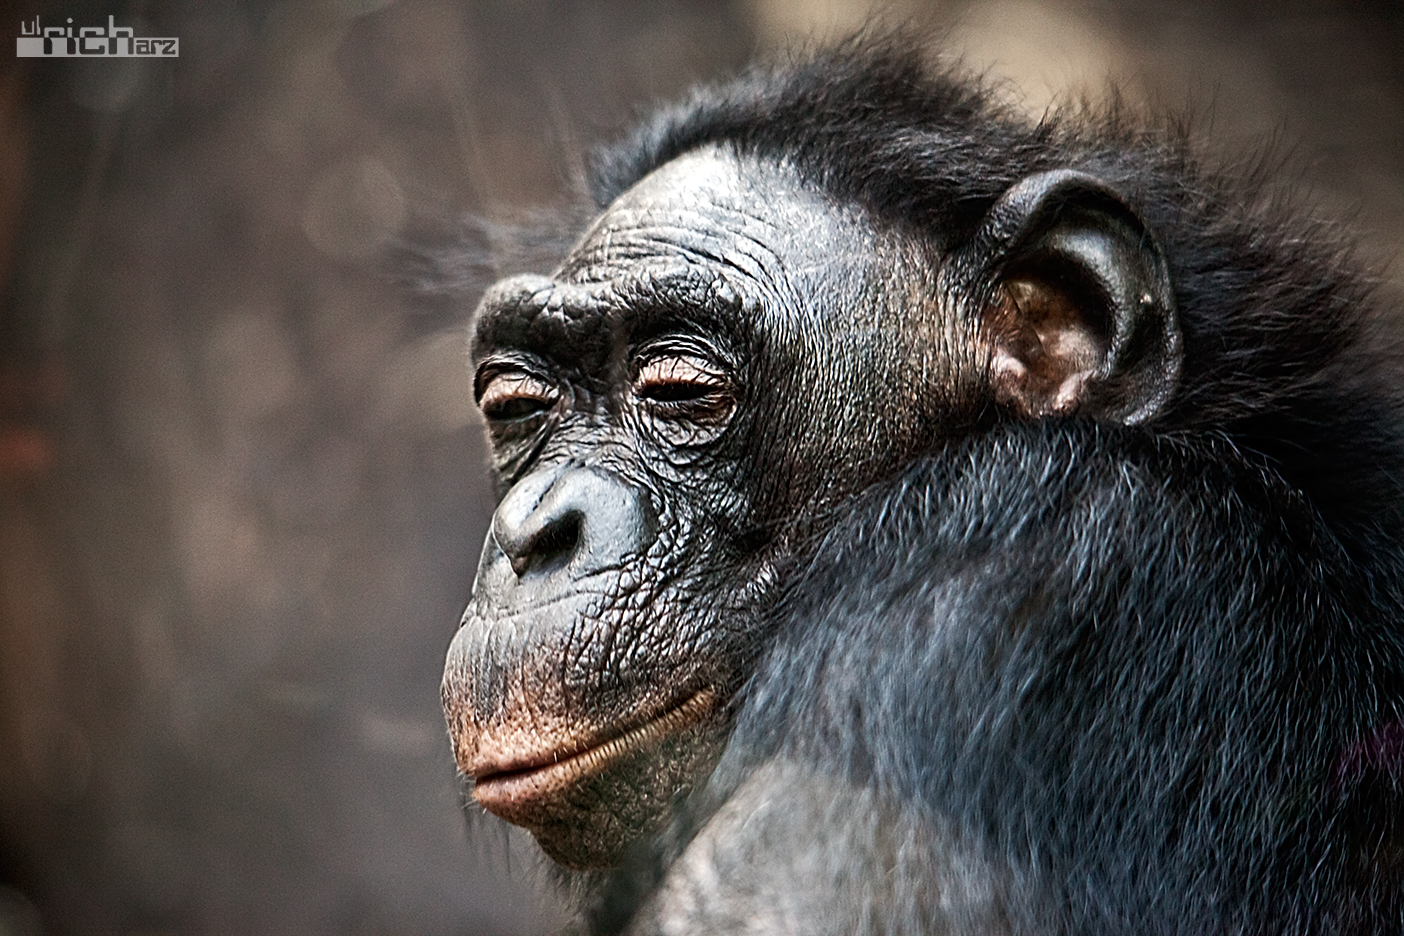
(1083, 315)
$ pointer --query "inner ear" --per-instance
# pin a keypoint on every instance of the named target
(1083, 316)
(1048, 339)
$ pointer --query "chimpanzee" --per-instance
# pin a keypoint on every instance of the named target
(1013, 512)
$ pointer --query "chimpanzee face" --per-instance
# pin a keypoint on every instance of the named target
(725, 355)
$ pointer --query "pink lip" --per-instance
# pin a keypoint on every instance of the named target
(505, 786)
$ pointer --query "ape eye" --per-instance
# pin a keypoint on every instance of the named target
(686, 387)
(513, 395)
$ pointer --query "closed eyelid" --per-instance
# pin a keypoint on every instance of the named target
(679, 368)
(502, 386)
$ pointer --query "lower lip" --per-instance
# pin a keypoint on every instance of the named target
(506, 793)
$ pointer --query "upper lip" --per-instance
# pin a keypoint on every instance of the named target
(602, 748)
(501, 612)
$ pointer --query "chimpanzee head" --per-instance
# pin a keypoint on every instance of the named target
(771, 314)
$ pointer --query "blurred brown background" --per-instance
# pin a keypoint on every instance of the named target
(242, 489)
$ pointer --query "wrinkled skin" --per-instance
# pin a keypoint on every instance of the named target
(724, 357)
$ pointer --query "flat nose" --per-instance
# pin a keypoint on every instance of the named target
(578, 519)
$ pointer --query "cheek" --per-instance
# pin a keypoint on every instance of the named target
(813, 429)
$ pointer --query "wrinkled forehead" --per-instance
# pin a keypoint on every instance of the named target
(710, 242)
(753, 220)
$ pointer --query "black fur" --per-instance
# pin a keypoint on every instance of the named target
(1153, 676)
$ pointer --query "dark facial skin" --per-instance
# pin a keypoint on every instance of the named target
(724, 358)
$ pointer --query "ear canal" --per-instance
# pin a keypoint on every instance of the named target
(1084, 319)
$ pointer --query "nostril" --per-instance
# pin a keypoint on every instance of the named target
(566, 523)
(551, 548)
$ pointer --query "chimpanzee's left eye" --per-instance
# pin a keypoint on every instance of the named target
(684, 386)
